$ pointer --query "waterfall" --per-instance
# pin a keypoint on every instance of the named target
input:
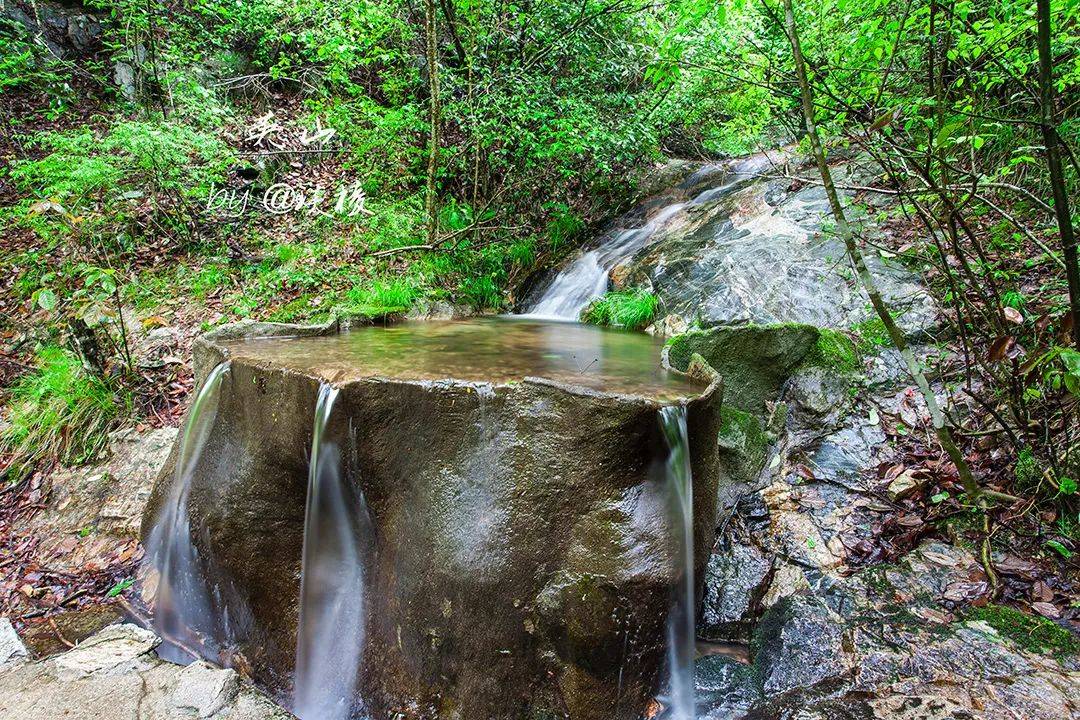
(330, 636)
(681, 619)
(183, 613)
(586, 278)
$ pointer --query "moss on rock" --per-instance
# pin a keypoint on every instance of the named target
(753, 360)
(834, 350)
(743, 444)
(1029, 632)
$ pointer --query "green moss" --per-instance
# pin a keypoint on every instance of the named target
(871, 333)
(753, 360)
(743, 442)
(1030, 632)
(1028, 472)
(876, 579)
(836, 351)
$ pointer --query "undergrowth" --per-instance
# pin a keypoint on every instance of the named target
(58, 411)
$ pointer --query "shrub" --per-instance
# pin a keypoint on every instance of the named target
(58, 411)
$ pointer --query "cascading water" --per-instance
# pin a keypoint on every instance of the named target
(330, 637)
(681, 619)
(586, 278)
(183, 613)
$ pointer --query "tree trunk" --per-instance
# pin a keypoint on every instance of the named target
(1053, 159)
(865, 278)
(431, 29)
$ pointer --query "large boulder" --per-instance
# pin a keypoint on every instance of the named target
(761, 250)
(519, 562)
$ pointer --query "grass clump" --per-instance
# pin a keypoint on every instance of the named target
(58, 411)
(630, 309)
(1030, 632)
(381, 297)
(872, 334)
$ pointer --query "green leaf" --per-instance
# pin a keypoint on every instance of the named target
(940, 497)
(119, 587)
(1059, 549)
(1067, 486)
(45, 299)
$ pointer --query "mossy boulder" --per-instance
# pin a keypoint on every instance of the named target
(755, 361)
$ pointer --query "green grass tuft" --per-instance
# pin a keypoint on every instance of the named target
(630, 309)
(380, 297)
(1030, 632)
(58, 411)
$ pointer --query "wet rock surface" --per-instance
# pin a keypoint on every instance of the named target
(521, 558)
(115, 675)
(832, 636)
(755, 250)
(735, 581)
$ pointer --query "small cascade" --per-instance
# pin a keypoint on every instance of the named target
(184, 615)
(681, 619)
(330, 636)
(586, 278)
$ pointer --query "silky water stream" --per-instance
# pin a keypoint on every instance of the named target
(184, 615)
(330, 638)
(680, 631)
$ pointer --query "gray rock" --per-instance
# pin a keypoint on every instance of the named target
(800, 648)
(124, 77)
(843, 456)
(735, 580)
(723, 688)
(68, 31)
(116, 650)
(750, 251)
(12, 649)
(114, 676)
(204, 689)
(99, 508)
(820, 394)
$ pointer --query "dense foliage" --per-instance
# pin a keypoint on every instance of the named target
(114, 160)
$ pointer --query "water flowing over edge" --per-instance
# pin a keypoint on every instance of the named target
(681, 619)
(183, 612)
(586, 278)
(330, 633)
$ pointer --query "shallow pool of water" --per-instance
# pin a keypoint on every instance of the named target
(492, 349)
